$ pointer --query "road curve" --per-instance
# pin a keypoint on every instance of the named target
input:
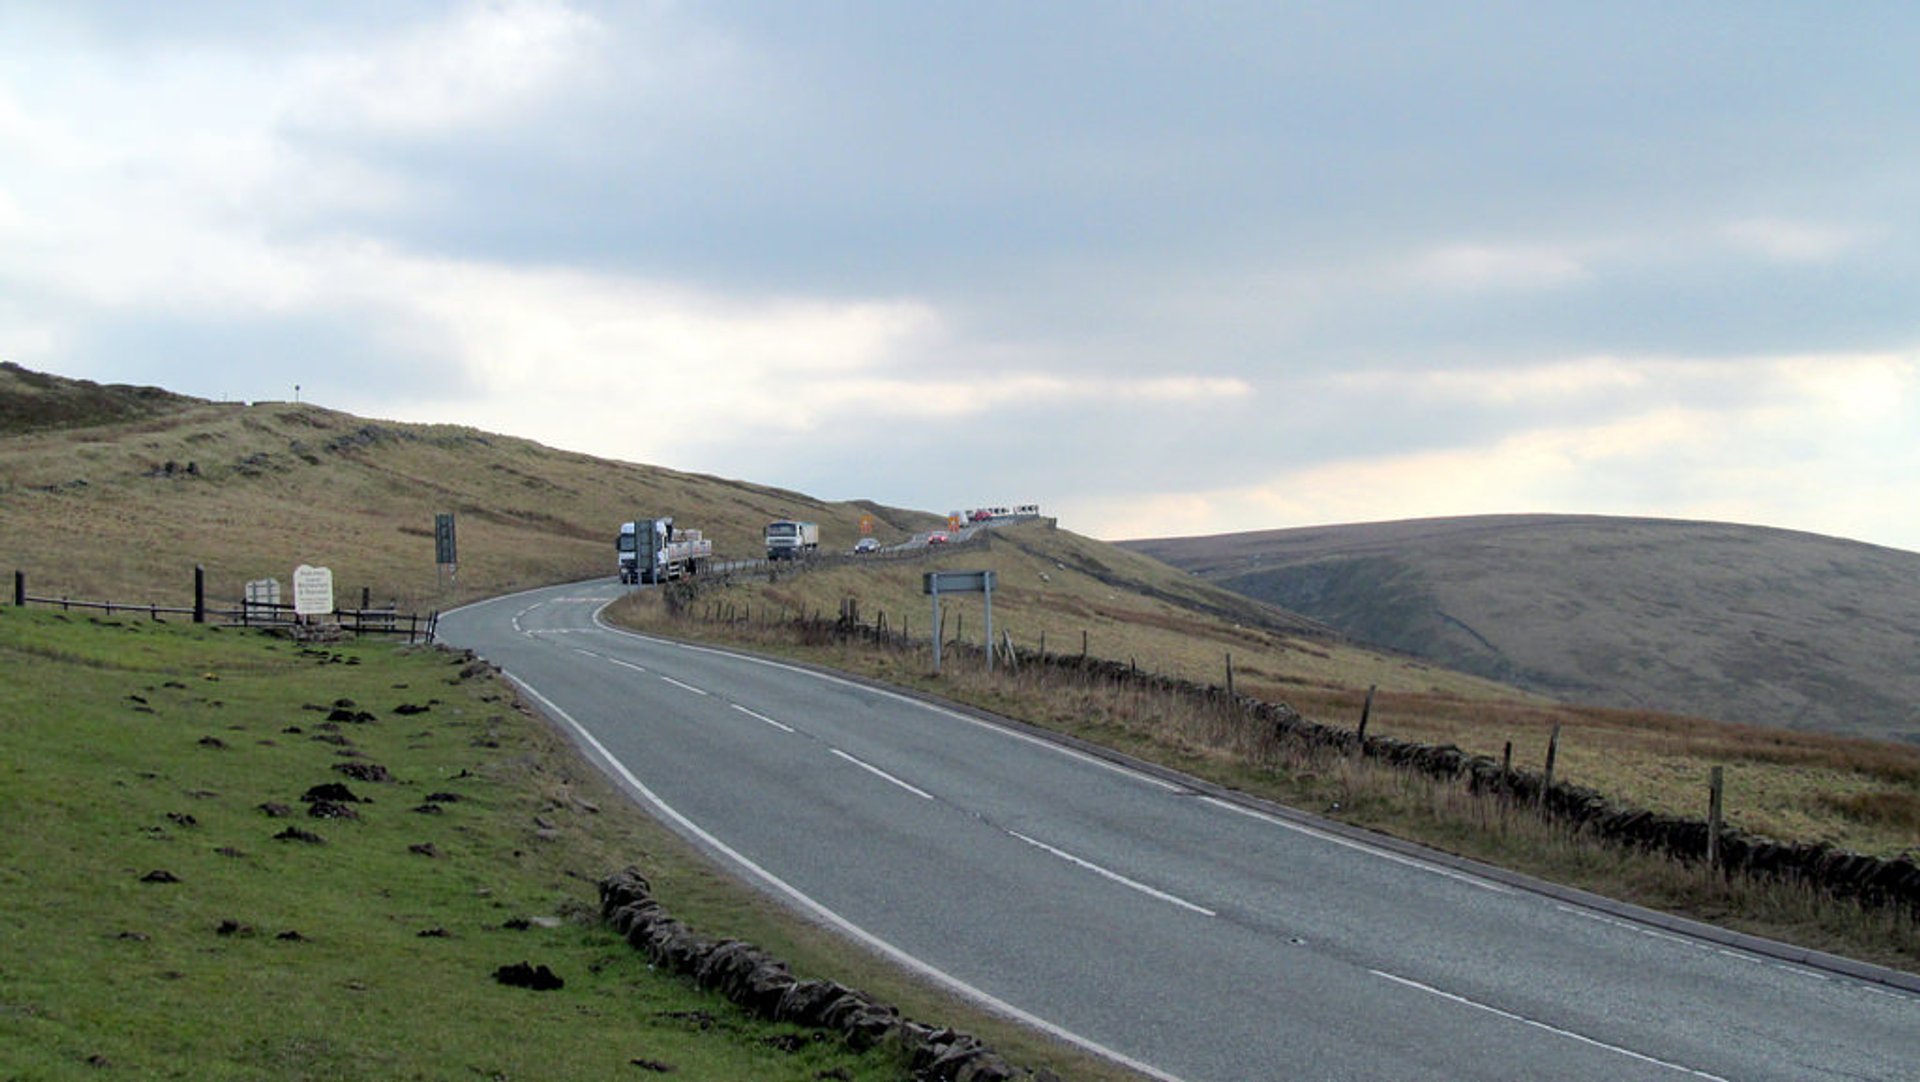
(1187, 933)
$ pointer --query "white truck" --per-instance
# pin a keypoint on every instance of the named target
(650, 550)
(790, 540)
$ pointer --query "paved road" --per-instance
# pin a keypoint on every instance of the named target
(1197, 937)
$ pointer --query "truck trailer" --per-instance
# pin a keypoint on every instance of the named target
(650, 550)
(790, 540)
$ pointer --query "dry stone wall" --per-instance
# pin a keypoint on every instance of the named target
(762, 984)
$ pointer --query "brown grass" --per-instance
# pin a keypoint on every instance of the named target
(1779, 783)
(1221, 745)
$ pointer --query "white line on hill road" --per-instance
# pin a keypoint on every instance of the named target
(1556, 1030)
(762, 717)
(683, 687)
(1115, 876)
(881, 774)
(626, 664)
(807, 902)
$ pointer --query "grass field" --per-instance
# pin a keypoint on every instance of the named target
(160, 923)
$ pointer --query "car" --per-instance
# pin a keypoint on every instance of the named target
(865, 545)
(937, 537)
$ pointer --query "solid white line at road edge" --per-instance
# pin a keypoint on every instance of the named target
(1556, 1030)
(847, 927)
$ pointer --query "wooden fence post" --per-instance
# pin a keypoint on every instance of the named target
(19, 589)
(1229, 674)
(199, 594)
(1715, 792)
(1366, 712)
(1553, 749)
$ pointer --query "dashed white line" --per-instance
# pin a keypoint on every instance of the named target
(883, 775)
(1115, 876)
(905, 959)
(683, 687)
(626, 664)
(1556, 1030)
(920, 704)
(762, 717)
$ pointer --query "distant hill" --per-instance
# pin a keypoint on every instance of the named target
(115, 492)
(33, 401)
(120, 499)
(1740, 623)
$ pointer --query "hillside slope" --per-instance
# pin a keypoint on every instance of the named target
(116, 492)
(1739, 623)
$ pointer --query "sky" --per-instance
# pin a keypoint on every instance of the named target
(1163, 269)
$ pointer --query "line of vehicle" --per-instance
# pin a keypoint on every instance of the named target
(1537, 1024)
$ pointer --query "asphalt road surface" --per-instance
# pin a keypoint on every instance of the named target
(1154, 919)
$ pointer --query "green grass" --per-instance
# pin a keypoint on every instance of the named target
(132, 747)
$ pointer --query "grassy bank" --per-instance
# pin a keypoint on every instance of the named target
(1168, 728)
(174, 909)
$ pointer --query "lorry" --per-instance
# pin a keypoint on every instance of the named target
(650, 550)
(790, 540)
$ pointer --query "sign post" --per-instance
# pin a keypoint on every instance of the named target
(444, 552)
(935, 583)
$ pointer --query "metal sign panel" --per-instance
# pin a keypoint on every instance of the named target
(956, 582)
(443, 547)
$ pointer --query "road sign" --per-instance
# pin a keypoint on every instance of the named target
(866, 524)
(312, 590)
(935, 583)
(957, 582)
(443, 547)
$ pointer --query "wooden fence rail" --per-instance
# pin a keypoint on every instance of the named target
(362, 621)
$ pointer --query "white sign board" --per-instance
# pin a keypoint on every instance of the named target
(312, 590)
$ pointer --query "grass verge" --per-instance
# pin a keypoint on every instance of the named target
(170, 913)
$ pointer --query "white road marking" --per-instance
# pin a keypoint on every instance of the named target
(879, 773)
(683, 687)
(1115, 876)
(1058, 749)
(1556, 1030)
(762, 717)
(626, 664)
(901, 957)
(1470, 880)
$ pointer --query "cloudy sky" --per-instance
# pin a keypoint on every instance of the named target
(1162, 268)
